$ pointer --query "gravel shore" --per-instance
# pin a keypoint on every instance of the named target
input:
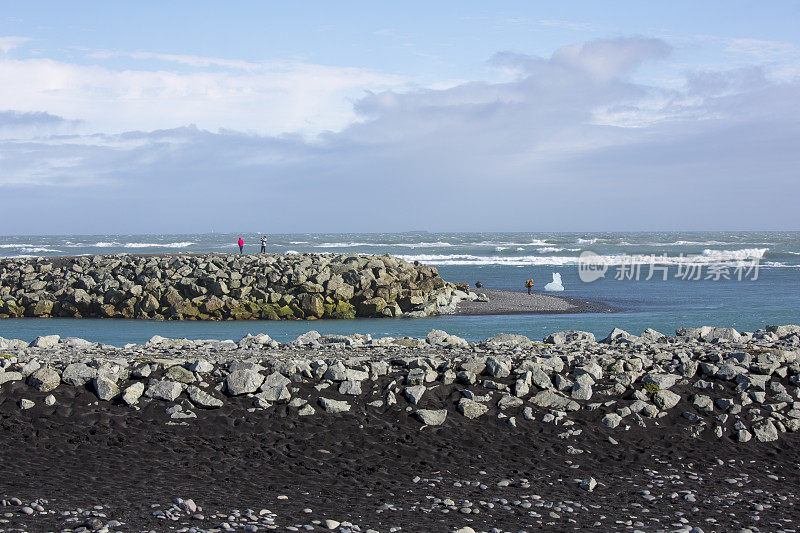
(520, 303)
(689, 432)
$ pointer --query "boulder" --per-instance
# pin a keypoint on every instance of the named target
(550, 399)
(438, 337)
(784, 331)
(510, 340)
(569, 336)
(241, 382)
(333, 406)
(660, 380)
(470, 408)
(44, 380)
(414, 394)
(163, 390)
(132, 394)
(666, 399)
(179, 374)
(45, 341)
(432, 417)
(105, 388)
(202, 398)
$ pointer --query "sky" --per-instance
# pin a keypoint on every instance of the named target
(293, 117)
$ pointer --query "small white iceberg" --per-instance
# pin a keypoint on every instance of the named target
(555, 285)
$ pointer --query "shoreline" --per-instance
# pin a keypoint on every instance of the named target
(503, 302)
(427, 434)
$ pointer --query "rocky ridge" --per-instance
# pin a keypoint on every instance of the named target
(711, 381)
(225, 287)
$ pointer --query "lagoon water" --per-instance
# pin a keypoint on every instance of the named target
(707, 293)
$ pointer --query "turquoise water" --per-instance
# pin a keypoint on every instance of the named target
(499, 260)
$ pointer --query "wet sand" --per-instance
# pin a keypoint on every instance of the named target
(521, 303)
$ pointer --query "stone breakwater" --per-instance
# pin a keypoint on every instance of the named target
(225, 287)
(711, 382)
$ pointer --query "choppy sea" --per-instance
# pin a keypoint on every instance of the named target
(659, 280)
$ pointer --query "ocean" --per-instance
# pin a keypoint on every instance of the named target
(742, 280)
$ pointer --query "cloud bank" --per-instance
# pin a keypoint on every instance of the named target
(570, 142)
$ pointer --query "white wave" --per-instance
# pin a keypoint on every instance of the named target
(342, 244)
(298, 242)
(534, 242)
(38, 249)
(103, 244)
(475, 260)
(549, 249)
(733, 255)
(287, 252)
(157, 245)
(677, 243)
(20, 245)
(436, 244)
(707, 257)
(586, 241)
(500, 248)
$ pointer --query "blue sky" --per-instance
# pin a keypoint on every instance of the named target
(449, 116)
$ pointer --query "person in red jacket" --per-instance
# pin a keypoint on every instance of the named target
(241, 245)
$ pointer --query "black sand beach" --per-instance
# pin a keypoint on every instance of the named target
(378, 468)
(692, 432)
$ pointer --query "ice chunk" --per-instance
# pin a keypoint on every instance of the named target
(555, 285)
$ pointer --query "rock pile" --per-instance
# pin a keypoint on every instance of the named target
(224, 287)
(712, 381)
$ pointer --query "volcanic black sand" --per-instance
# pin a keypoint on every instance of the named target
(377, 467)
(520, 303)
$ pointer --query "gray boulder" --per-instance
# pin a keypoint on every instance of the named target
(78, 374)
(766, 432)
(432, 417)
(784, 331)
(666, 399)
(199, 397)
(550, 399)
(106, 388)
(179, 374)
(45, 379)
(45, 341)
(470, 408)
(662, 381)
(333, 406)
(414, 394)
(132, 394)
(241, 382)
(163, 390)
(569, 336)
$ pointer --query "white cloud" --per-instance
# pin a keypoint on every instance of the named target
(8, 43)
(569, 143)
(763, 50)
(269, 98)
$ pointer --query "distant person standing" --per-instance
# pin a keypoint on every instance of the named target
(264, 244)
(478, 285)
(529, 285)
(241, 245)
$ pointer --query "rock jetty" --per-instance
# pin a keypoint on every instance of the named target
(225, 287)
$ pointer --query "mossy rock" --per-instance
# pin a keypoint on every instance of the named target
(296, 311)
(285, 312)
(269, 312)
(241, 312)
(340, 310)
